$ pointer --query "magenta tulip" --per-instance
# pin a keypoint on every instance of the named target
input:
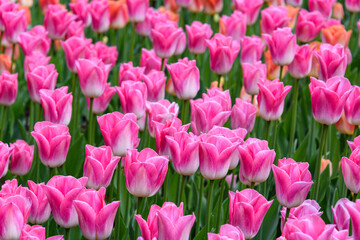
(56, 21)
(197, 34)
(74, 49)
(76, 29)
(253, 74)
(108, 54)
(308, 25)
(323, 6)
(34, 60)
(354, 211)
(250, 8)
(129, 72)
(15, 24)
(40, 207)
(227, 232)
(352, 5)
(165, 38)
(300, 67)
(149, 60)
(36, 232)
(152, 17)
(100, 16)
(341, 215)
(137, 9)
(181, 44)
(5, 152)
(233, 26)
(82, 11)
(34, 40)
(350, 170)
(101, 103)
(21, 157)
(252, 49)
(8, 88)
(294, 3)
(351, 107)
(274, 17)
(155, 84)
(243, 115)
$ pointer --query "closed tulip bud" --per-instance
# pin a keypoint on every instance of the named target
(100, 16)
(352, 112)
(21, 158)
(352, 5)
(253, 74)
(74, 49)
(145, 172)
(223, 52)
(119, 16)
(228, 232)
(96, 219)
(101, 103)
(155, 84)
(56, 21)
(119, 131)
(196, 6)
(274, 17)
(159, 112)
(6, 6)
(233, 26)
(34, 40)
(271, 99)
(300, 67)
(133, 97)
(165, 38)
(41, 77)
(252, 49)
(53, 141)
(212, 7)
(341, 215)
(292, 182)
(323, 6)
(149, 60)
(336, 34)
(82, 11)
(350, 167)
(250, 203)
(197, 34)
(309, 25)
(15, 24)
(137, 9)
(243, 115)
(34, 60)
(99, 166)
(250, 8)
(36, 232)
(5, 152)
(129, 72)
(333, 94)
(40, 207)
(8, 88)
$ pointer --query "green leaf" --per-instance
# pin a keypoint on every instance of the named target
(202, 234)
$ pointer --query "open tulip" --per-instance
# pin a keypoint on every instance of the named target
(233, 26)
(5, 151)
(149, 60)
(34, 40)
(292, 182)
(119, 131)
(248, 203)
(56, 21)
(323, 6)
(253, 74)
(74, 49)
(96, 219)
(15, 24)
(308, 25)
(100, 16)
(53, 141)
(227, 232)
(40, 207)
(250, 8)
(341, 215)
(300, 67)
(252, 49)
(137, 9)
(197, 34)
(350, 168)
(36, 232)
(155, 84)
(8, 88)
(274, 17)
(165, 38)
(21, 157)
(243, 115)
(145, 172)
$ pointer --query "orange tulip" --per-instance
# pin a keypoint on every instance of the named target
(118, 14)
(336, 34)
(338, 11)
(212, 7)
(292, 14)
(324, 164)
(273, 70)
(5, 63)
(343, 126)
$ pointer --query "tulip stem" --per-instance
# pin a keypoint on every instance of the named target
(90, 124)
(318, 160)
(232, 179)
(2, 126)
(165, 187)
(183, 181)
(219, 81)
(267, 130)
(221, 196)
(356, 132)
(293, 116)
(138, 211)
(12, 58)
(118, 197)
(182, 17)
(287, 215)
(208, 207)
(184, 111)
(162, 67)
(273, 143)
(74, 116)
(281, 73)
(67, 233)
(1, 37)
(132, 42)
(198, 215)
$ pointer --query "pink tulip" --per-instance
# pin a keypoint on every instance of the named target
(294, 3)
(40, 207)
(82, 11)
(213, 7)
(8, 88)
(149, 60)
(250, 8)
(350, 168)
(252, 49)
(107, 54)
(152, 16)
(243, 115)
(227, 232)
(256, 160)
(57, 105)
(53, 141)
(36, 232)
(222, 97)
(145, 172)
(166, 222)
(76, 29)
(332, 61)
(41, 77)
(159, 112)
(182, 3)
(96, 219)
(282, 46)
(354, 212)
(101, 103)
(356, 143)
(341, 215)
(74, 49)
(6, 6)
(248, 203)
(308, 25)
(271, 99)
(119, 131)
(223, 52)
(100, 16)
(352, 5)
(34, 60)
(61, 192)
(34, 40)
(133, 97)
(328, 99)
(274, 17)
(93, 75)
(5, 152)
(323, 6)
(300, 67)
(21, 157)
(233, 26)
(14, 211)
(137, 9)
(165, 38)
(56, 21)
(197, 34)
(129, 72)
(351, 106)
(292, 182)
(99, 166)
(186, 78)
(253, 74)
(15, 24)
(155, 84)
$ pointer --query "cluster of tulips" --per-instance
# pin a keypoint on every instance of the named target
(196, 145)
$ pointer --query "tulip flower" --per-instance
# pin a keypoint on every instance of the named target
(274, 17)
(82, 11)
(93, 76)
(41, 77)
(181, 44)
(152, 17)
(61, 192)
(101, 103)
(227, 231)
(271, 99)
(250, 8)
(15, 24)
(222, 97)
(196, 6)
(292, 182)
(129, 72)
(99, 166)
(119, 16)
(343, 126)
(34, 60)
(323, 6)
(34, 40)
(252, 49)
(197, 34)
(133, 97)
(100, 16)
(351, 110)
(335, 91)
(212, 7)
(40, 207)
(165, 38)
(253, 74)
(300, 67)
(354, 212)
(21, 157)
(36, 232)
(223, 52)
(336, 34)
(96, 219)
(256, 160)
(119, 131)
(155, 84)
(57, 21)
(74, 49)
(186, 78)
(243, 115)
(149, 61)
(5, 151)
(233, 26)
(248, 203)
(341, 215)
(145, 172)
(308, 25)
(53, 141)
(295, 3)
(166, 222)
(159, 112)
(8, 88)
(352, 5)
(75, 29)
(6, 7)
(350, 166)
(137, 10)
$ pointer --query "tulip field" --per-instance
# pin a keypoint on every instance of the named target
(180, 119)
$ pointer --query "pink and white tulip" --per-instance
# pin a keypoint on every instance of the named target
(308, 25)
(253, 74)
(40, 208)
(101, 103)
(300, 67)
(100, 16)
(250, 8)
(8, 88)
(57, 20)
(155, 84)
(197, 34)
(137, 10)
(35, 40)
(233, 26)
(159, 112)
(350, 167)
(165, 38)
(15, 24)
(323, 6)
(74, 49)
(5, 151)
(252, 49)
(21, 157)
(243, 115)
(274, 17)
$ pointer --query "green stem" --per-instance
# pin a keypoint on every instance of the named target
(267, 131)
(12, 58)
(219, 80)
(182, 17)
(184, 111)
(356, 132)
(165, 188)
(293, 115)
(183, 181)
(118, 197)
(273, 144)
(31, 117)
(36, 161)
(252, 185)
(218, 217)
(2, 126)
(73, 92)
(162, 68)
(281, 73)
(198, 215)
(232, 179)
(208, 207)
(287, 215)
(318, 160)
(132, 42)
(67, 234)
(138, 211)
(52, 172)
(1, 37)
(90, 124)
